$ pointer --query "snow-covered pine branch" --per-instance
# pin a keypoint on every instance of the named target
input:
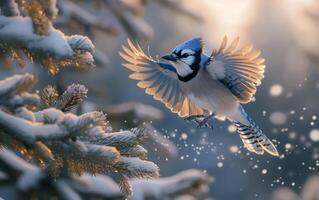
(189, 182)
(64, 143)
(130, 114)
(68, 101)
(34, 37)
(32, 181)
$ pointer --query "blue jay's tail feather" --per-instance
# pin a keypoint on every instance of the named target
(253, 138)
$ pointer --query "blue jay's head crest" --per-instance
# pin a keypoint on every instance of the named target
(195, 44)
(186, 58)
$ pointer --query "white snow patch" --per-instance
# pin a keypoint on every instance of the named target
(19, 30)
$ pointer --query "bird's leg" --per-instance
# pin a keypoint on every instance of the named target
(204, 122)
(193, 117)
(200, 120)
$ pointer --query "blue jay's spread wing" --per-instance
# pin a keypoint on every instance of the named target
(240, 70)
(159, 80)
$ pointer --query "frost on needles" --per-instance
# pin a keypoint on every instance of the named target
(63, 144)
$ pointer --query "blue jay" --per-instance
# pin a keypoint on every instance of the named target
(195, 85)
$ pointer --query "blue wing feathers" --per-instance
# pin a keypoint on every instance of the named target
(240, 70)
(167, 66)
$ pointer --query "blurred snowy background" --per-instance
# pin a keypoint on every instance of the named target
(286, 105)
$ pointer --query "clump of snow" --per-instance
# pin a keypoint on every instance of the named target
(31, 175)
(193, 182)
(25, 99)
(65, 191)
(139, 168)
(80, 42)
(99, 184)
(117, 139)
(14, 83)
(109, 155)
(30, 178)
(50, 115)
(18, 31)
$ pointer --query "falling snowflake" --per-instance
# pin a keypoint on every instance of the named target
(264, 171)
(278, 118)
(314, 135)
(276, 90)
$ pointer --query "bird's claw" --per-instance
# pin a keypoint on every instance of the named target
(201, 123)
(193, 117)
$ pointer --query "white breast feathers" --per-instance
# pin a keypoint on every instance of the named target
(182, 68)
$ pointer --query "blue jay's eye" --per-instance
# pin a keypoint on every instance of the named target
(184, 55)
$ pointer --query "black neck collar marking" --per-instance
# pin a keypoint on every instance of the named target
(189, 76)
(195, 67)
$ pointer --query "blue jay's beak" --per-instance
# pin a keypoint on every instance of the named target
(170, 58)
